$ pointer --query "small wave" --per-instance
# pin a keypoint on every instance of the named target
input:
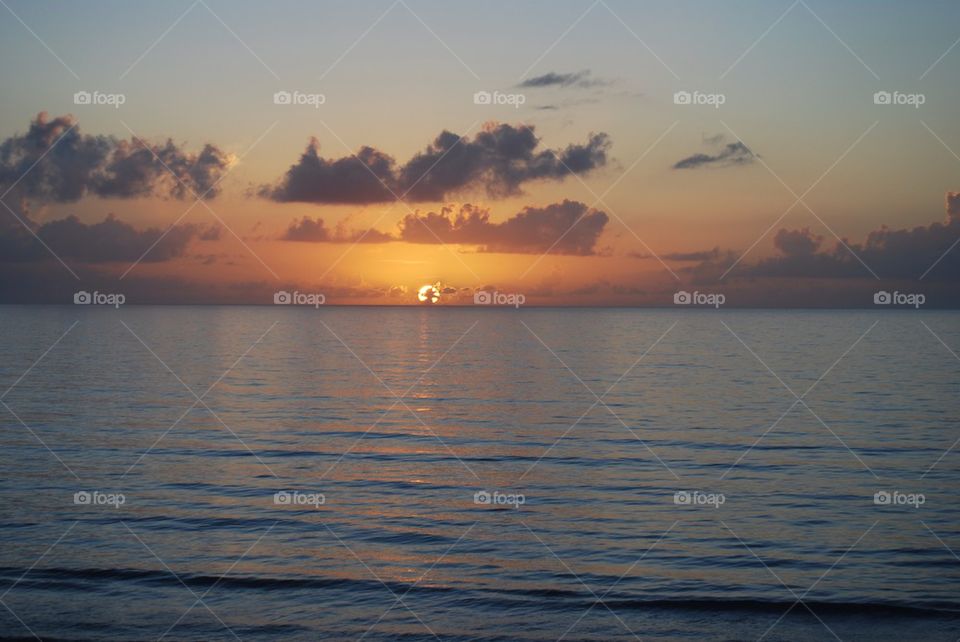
(65, 578)
(546, 598)
(844, 608)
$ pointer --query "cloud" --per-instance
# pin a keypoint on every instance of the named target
(952, 205)
(797, 242)
(891, 254)
(569, 227)
(553, 79)
(366, 178)
(689, 256)
(315, 231)
(55, 162)
(211, 233)
(499, 160)
(728, 155)
(109, 240)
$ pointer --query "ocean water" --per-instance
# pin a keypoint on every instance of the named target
(478, 474)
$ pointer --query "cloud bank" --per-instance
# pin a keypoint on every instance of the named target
(314, 230)
(930, 252)
(109, 240)
(569, 227)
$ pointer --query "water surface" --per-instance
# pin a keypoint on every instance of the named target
(399, 417)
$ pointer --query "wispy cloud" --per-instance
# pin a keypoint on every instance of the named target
(582, 79)
(727, 155)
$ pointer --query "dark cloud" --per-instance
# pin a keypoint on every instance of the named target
(569, 227)
(315, 231)
(366, 178)
(80, 164)
(109, 240)
(499, 160)
(308, 230)
(797, 242)
(730, 154)
(923, 251)
(553, 79)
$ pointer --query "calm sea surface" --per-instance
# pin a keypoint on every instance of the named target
(478, 474)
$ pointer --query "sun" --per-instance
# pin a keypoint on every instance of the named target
(429, 294)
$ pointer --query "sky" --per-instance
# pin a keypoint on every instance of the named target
(782, 154)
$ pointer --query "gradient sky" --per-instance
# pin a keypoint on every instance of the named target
(798, 81)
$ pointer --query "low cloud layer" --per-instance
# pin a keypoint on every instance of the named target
(314, 230)
(109, 240)
(924, 251)
(705, 255)
(497, 161)
(55, 162)
(569, 227)
(729, 154)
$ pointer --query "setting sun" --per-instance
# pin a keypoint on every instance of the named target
(428, 294)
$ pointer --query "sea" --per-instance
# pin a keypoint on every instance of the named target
(478, 473)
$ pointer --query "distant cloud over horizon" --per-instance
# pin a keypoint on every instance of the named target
(928, 251)
(107, 241)
(499, 161)
(55, 162)
(568, 227)
(314, 230)
(704, 255)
